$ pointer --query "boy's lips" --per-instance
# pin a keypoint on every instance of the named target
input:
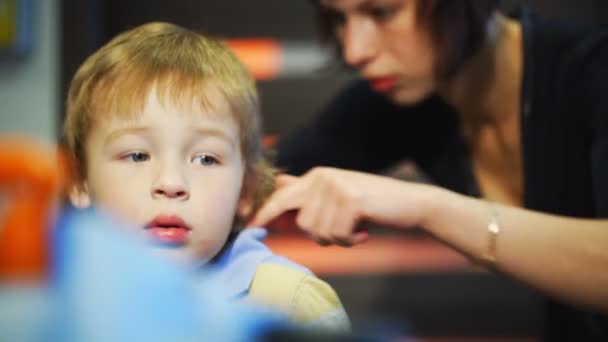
(168, 229)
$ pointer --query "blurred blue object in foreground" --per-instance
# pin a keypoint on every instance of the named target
(105, 285)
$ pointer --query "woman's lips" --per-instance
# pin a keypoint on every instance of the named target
(168, 230)
(383, 84)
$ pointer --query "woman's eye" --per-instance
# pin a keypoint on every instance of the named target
(333, 17)
(137, 157)
(205, 160)
(381, 13)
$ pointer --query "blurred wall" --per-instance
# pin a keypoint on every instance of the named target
(29, 100)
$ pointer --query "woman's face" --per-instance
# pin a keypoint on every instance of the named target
(387, 43)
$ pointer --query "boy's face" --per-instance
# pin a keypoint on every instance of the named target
(175, 174)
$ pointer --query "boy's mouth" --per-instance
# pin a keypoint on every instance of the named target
(169, 230)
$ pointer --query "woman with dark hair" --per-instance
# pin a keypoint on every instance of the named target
(508, 118)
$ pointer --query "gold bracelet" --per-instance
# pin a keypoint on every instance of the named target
(489, 258)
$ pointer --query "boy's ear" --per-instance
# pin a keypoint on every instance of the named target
(245, 206)
(79, 196)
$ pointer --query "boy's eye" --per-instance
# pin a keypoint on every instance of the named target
(205, 160)
(137, 157)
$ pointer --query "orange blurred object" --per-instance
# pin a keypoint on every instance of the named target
(31, 174)
(269, 141)
(378, 255)
(261, 56)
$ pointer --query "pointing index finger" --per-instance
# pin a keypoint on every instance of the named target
(284, 179)
(284, 199)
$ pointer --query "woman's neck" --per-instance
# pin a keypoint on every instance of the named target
(488, 89)
(487, 94)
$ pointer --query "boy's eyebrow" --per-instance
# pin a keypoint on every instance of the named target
(214, 132)
(120, 132)
(203, 131)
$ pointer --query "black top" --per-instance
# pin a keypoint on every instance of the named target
(564, 138)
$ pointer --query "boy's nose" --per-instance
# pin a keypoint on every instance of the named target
(170, 191)
(170, 184)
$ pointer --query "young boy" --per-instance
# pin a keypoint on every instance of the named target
(163, 125)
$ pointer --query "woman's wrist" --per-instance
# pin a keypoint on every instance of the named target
(458, 220)
(435, 201)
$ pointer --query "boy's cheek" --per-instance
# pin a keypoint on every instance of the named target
(203, 251)
(117, 182)
(123, 199)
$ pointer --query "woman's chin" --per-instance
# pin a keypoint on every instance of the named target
(408, 96)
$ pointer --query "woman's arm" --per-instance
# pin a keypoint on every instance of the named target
(564, 257)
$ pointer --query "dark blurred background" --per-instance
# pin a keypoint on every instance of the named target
(287, 101)
(405, 284)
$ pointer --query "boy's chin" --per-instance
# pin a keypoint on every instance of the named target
(180, 255)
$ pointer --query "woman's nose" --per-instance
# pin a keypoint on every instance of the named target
(359, 42)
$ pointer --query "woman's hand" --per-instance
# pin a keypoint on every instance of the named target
(332, 205)
(562, 256)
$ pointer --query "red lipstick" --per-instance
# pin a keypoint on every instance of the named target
(383, 84)
(169, 230)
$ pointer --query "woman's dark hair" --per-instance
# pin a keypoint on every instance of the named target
(458, 29)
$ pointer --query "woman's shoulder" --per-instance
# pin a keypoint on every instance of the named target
(567, 44)
(565, 63)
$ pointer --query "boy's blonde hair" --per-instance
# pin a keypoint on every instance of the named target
(182, 66)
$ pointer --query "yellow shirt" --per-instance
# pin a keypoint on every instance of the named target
(306, 299)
